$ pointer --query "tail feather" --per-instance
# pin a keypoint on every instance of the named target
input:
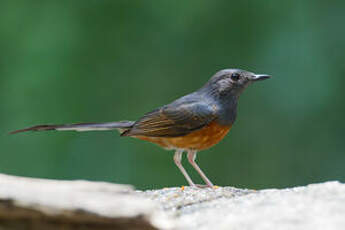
(80, 127)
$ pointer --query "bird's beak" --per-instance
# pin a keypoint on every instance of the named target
(259, 77)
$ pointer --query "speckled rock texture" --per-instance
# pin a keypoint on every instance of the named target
(27, 203)
(316, 206)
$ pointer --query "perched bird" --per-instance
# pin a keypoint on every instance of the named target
(191, 123)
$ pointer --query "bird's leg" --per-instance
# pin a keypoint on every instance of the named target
(177, 160)
(191, 158)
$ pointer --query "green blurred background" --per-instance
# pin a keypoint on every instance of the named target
(103, 60)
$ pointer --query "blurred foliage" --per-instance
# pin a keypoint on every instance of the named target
(103, 60)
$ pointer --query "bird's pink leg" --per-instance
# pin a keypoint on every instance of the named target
(191, 158)
(177, 160)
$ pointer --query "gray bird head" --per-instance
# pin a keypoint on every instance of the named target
(232, 82)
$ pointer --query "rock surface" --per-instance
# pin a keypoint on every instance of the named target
(27, 203)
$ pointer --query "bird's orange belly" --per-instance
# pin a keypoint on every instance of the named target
(197, 140)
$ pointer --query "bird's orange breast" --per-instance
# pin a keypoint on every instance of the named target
(197, 140)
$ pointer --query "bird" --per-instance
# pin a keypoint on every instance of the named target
(191, 123)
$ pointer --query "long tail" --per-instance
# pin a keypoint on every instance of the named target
(120, 125)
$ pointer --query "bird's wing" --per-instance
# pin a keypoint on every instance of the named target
(173, 120)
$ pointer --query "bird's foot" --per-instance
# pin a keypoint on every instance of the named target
(204, 186)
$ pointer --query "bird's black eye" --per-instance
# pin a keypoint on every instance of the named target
(235, 76)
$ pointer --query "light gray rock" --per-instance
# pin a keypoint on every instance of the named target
(51, 204)
(28, 203)
(316, 206)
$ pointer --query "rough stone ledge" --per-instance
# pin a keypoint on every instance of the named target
(28, 203)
